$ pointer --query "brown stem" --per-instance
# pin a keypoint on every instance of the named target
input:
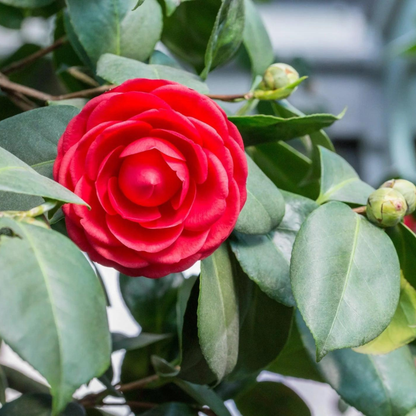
(139, 384)
(360, 210)
(15, 66)
(7, 85)
(81, 76)
(229, 98)
(91, 92)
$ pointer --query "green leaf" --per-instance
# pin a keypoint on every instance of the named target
(264, 331)
(33, 136)
(116, 69)
(404, 240)
(294, 360)
(340, 182)
(11, 17)
(172, 409)
(160, 58)
(266, 258)
(123, 342)
(111, 26)
(138, 4)
(380, 385)
(267, 398)
(345, 278)
(17, 177)
(256, 40)
(29, 4)
(38, 317)
(402, 328)
(22, 383)
(3, 386)
(172, 5)
(152, 302)
(226, 35)
(265, 206)
(38, 405)
(260, 128)
(78, 103)
(218, 315)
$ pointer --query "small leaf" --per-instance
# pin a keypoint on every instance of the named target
(123, 342)
(380, 385)
(340, 182)
(152, 302)
(266, 258)
(256, 40)
(116, 69)
(38, 405)
(139, 3)
(17, 177)
(226, 35)
(265, 206)
(345, 293)
(402, 328)
(267, 398)
(111, 26)
(37, 312)
(260, 129)
(218, 316)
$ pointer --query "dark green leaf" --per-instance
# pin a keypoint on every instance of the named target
(30, 4)
(123, 342)
(33, 136)
(152, 302)
(3, 385)
(22, 383)
(38, 405)
(172, 409)
(260, 129)
(379, 385)
(265, 206)
(256, 40)
(340, 182)
(117, 69)
(267, 398)
(171, 5)
(226, 35)
(218, 315)
(264, 331)
(266, 258)
(37, 308)
(11, 17)
(345, 278)
(138, 4)
(18, 177)
(111, 26)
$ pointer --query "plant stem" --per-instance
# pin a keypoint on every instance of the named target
(15, 66)
(91, 92)
(81, 76)
(360, 210)
(230, 98)
(7, 85)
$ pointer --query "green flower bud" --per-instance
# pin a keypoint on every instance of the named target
(386, 207)
(407, 189)
(279, 81)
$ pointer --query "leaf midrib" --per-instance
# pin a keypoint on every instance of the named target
(324, 197)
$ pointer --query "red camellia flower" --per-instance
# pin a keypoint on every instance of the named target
(164, 172)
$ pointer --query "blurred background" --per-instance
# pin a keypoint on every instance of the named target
(358, 54)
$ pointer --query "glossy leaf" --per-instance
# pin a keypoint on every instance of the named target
(117, 69)
(264, 330)
(267, 398)
(30, 4)
(172, 409)
(218, 315)
(38, 405)
(226, 35)
(402, 328)
(112, 26)
(266, 258)
(18, 177)
(33, 136)
(260, 129)
(265, 206)
(68, 346)
(123, 342)
(346, 286)
(152, 302)
(339, 181)
(380, 385)
(256, 40)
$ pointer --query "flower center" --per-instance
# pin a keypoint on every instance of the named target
(147, 180)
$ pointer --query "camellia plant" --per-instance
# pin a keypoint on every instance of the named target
(122, 158)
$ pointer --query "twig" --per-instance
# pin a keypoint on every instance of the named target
(139, 384)
(230, 98)
(7, 85)
(360, 210)
(81, 76)
(19, 99)
(91, 92)
(15, 66)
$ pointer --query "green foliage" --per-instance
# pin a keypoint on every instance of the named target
(30, 4)
(10, 17)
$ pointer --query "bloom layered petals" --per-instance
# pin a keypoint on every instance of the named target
(163, 171)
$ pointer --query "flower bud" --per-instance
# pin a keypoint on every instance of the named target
(386, 207)
(279, 81)
(407, 189)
